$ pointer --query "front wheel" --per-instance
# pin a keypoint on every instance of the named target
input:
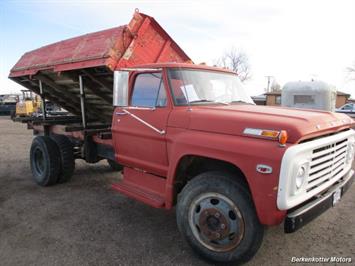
(217, 217)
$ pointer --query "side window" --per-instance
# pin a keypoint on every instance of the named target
(149, 91)
(347, 107)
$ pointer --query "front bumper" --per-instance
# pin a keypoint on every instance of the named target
(302, 215)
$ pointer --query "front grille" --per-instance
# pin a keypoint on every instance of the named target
(328, 162)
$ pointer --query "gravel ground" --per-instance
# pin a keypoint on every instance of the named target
(84, 222)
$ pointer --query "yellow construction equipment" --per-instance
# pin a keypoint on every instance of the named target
(29, 104)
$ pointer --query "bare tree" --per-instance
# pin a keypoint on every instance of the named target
(351, 71)
(275, 86)
(236, 61)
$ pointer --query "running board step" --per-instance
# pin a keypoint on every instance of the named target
(142, 186)
(137, 193)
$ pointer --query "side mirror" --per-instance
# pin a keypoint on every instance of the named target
(120, 88)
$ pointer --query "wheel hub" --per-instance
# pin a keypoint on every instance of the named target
(213, 224)
(216, 222)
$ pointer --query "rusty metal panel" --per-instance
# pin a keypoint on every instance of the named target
(139, 42)
(95, 56)
(87, 48)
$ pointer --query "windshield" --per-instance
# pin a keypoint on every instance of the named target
(205, 87)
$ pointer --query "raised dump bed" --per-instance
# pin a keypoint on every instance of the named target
(60, 67)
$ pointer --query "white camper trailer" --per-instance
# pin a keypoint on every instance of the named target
(309, 94)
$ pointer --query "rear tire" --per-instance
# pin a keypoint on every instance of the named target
(115, 166)
(217, 217)
(45, 161)
(67, 161)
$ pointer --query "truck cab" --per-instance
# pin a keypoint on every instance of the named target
(190, 136)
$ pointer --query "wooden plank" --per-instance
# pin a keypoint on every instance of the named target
(104, 94)
(70, 98)
(102, 83)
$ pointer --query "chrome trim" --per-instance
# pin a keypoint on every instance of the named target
(141, 108)
(120, 88)
(120, 113)
(161, 132)
(329, 194)
(288, 196)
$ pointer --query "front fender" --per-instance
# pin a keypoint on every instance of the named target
(243, 152)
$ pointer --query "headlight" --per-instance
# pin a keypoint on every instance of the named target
(301, 173)
(350, 153)
(301, 176)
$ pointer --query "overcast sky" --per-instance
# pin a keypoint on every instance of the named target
(290, 40)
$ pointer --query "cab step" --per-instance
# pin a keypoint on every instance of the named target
(141, 186)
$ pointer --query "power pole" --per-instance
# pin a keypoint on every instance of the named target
(268, 82)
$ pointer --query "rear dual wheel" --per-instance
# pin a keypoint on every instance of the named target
(67, 161)
(52, 160)
(45, 161)
(217, 217)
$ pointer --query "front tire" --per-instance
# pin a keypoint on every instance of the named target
(217, 217)
(45, 161)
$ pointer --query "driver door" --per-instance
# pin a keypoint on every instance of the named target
(139, 129)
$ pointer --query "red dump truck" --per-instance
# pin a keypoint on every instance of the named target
(184, 135)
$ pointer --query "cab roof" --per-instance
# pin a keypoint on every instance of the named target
(184, 65)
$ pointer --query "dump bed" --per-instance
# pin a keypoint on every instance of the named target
(94, 56)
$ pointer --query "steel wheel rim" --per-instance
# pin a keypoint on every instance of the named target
(216, 222)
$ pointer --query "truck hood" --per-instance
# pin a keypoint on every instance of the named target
(300, 124)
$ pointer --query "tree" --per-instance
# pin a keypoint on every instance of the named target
(275, 86)
(351, 71)
(237, 61)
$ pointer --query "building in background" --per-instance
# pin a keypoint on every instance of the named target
(342, 98)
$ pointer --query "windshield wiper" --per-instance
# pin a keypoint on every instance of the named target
(239, 101)
(207, 101)
(201, 101)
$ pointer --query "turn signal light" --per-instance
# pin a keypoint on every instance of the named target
(280, 135)
(270, 133)
(283, 137)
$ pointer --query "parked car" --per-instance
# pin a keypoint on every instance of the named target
(8, 103)
(348, 109)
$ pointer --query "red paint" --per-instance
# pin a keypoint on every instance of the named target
(143, 187)
(214, 132)
(142, 41)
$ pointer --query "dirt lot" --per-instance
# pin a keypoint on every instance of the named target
(85, 223)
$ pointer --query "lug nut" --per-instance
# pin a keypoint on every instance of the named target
(223, 226)
(217, 235)
(217, 215)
